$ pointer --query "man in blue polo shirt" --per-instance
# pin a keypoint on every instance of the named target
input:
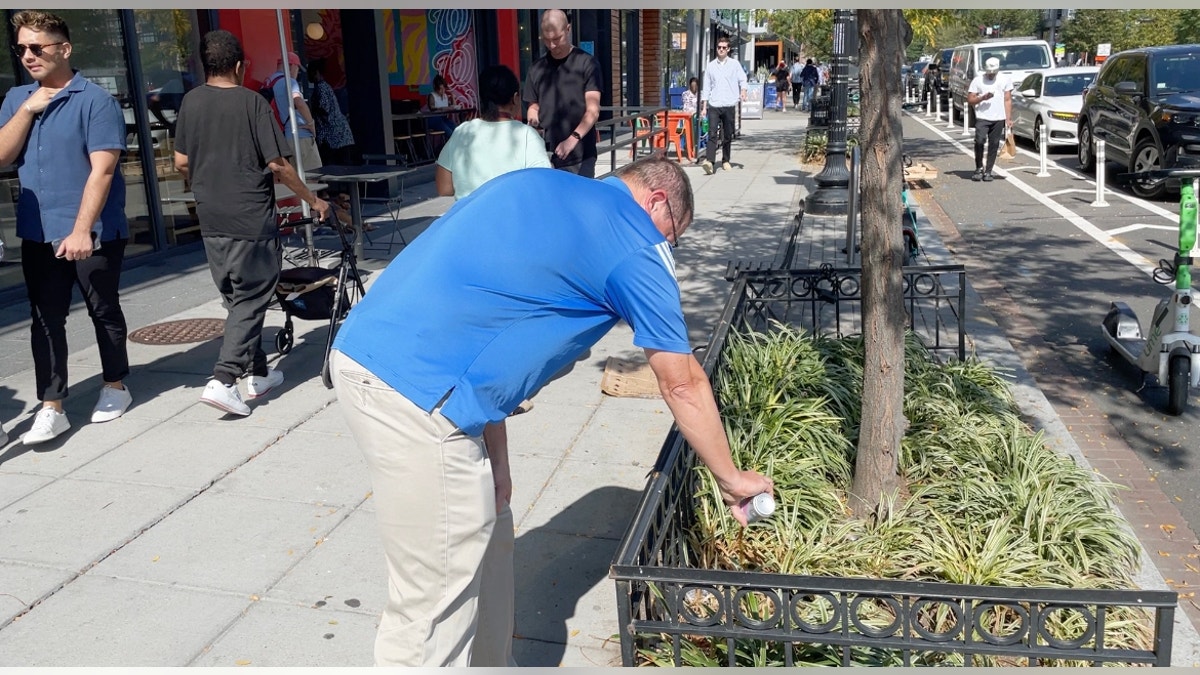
(66, 136)
(474, 316)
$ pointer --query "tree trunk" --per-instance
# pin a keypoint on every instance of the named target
(883, 37)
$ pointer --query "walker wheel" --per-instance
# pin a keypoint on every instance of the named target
(283, 341)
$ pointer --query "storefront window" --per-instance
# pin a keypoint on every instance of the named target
(168, 44)
(10, 267)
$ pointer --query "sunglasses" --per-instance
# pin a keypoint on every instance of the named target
(723, 48)
(36, 50)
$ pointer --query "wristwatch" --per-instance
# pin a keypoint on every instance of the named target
(577, 136)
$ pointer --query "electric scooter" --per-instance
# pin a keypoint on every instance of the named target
(1170, 350)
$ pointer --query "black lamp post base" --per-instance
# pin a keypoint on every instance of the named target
(828, 201)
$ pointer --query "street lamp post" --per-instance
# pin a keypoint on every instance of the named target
(832, 194)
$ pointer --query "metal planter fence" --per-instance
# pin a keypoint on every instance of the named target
(664, 603)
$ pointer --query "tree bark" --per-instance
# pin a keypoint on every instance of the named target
(883, 36)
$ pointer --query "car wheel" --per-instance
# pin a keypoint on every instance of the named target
(1147, 157)
(1086, 153)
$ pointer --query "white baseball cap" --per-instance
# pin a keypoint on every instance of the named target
(992, 65)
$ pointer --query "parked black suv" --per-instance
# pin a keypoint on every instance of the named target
(1145, 105)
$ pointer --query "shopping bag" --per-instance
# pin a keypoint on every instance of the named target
(1010, 146)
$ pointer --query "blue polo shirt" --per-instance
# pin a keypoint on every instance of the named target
(512, 284)
(54, 164)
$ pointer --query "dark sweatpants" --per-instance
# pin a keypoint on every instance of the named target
(48, 283)
(719, 118)
(990, 132)
(245, 273)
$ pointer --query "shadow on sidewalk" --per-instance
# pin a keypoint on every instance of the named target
(557, 565)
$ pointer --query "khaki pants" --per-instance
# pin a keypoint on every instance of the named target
(309, 154)
(449, 554)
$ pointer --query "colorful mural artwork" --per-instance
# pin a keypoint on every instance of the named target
(430, 42)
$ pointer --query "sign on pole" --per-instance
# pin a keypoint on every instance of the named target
(1102, 51)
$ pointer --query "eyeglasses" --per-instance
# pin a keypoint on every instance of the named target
(36, 50)
(722, 48)
(674, 232)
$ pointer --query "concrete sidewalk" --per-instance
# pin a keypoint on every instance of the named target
(175, 537)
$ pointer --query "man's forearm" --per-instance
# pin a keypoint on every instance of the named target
(95, 193)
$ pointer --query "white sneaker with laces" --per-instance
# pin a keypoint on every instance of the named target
(47, 425)
(224, 398)
(258, 386)
(112, 404)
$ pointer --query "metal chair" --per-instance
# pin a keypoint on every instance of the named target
(392, 203)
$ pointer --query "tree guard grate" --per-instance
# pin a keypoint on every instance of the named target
(179, 332)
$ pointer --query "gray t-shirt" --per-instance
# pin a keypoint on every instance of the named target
(229, 135)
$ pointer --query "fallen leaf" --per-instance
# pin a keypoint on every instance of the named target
(254, 598)
(242, 662)
(154, 559)
(1167, 528)
(574, 632)
(1164, 554)
(333, 622)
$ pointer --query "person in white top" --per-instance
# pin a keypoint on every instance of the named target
(724, 86)
(492, 144)
(440, 100)
(993, 118)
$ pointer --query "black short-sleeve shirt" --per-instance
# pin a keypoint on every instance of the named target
(558, 87)
(229, 135)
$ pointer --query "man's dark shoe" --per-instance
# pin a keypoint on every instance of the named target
(977, 176)
(987, 177)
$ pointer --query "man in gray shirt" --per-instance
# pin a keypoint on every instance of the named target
(724, 86)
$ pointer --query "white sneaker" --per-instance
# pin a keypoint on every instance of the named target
(47, 425)
(258, 386)
(224, 398)
(112, 404)
(726, 166)
(708, 167)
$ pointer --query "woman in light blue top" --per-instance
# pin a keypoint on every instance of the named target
(492, 144)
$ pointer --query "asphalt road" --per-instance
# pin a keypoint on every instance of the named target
(1062, 261)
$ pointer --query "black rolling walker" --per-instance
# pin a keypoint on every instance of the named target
(316, 293)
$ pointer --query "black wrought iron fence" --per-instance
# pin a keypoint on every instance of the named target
(666, 605)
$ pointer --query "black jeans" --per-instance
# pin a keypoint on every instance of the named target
(990, 132)
(48, 283)
(724, 118)
(797, 92)
(245, 273)
(585, 168)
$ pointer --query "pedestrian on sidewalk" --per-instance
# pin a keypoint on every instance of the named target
(563, 92)
(724, 87)
(493, 143)
(797, 83)
(310, 157)
(229, 147)
(66, 135)
(465, 323)
(781, 76)
(993, 119)
(809, 77)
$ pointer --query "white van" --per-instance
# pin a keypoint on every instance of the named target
(1018, 57)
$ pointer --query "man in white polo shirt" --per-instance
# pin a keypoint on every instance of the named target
(724, 86)
(992, 118)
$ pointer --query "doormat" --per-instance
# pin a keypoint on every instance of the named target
(631, 379)
(179, 332)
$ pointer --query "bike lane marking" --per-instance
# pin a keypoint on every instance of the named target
(1082, 224)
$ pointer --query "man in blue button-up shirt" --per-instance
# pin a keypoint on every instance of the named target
(66, 136)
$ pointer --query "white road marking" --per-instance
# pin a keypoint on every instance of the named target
(1141, 226)
(1056, 193)
(1082, 224)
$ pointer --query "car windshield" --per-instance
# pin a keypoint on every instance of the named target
(1067, 85)
(1176, 73)
(1018, 57)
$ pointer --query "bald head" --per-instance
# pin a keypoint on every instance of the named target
(556, 33)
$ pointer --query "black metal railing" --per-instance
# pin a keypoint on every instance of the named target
(665, 604)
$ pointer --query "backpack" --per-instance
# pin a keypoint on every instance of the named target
(268, 92)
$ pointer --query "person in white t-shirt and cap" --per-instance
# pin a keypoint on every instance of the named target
(993, 119)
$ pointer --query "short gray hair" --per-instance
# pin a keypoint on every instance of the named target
(656, 172)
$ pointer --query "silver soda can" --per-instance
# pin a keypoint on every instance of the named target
(758, 507)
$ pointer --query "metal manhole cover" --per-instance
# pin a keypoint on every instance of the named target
(179, 332)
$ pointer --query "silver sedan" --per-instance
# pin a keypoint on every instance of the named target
(1046, 104)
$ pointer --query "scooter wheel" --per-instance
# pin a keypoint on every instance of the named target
(1178, 381)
